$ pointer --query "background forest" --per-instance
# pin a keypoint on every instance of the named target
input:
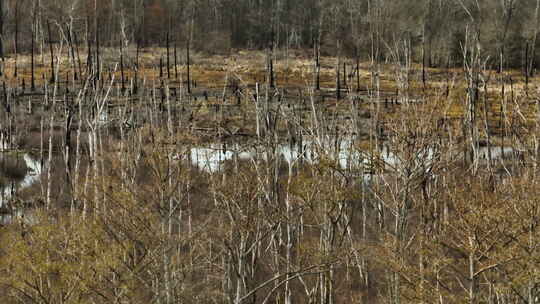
(506, 28)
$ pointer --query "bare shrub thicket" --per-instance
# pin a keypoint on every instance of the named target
(165, 176)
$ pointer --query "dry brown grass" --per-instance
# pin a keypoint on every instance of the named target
(294, 71)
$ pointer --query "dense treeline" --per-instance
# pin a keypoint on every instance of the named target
(435, 29)
(166, 176)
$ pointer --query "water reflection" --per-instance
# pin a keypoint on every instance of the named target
(32, 173)
(345, 152)
(347, 155)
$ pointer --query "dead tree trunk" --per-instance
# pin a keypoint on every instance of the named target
(532, 62)
(122, 66)
(357, 71)
(137, 54)
(338, 80)
(2, 35)
(188, 71)
(88, 48)
(98, 64)
(424, 60)
(168, 57)
(526, 65)
(345, 74)
(175, 61)
(269, 69)
(16, 36)
(161, 67)
(72, 52)
(317, 66)
(52, 80)
(33, 78)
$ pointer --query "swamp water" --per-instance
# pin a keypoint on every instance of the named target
(20, 170)
(345, 153)
(17, 172)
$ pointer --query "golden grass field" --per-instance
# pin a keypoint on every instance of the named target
(444, 91)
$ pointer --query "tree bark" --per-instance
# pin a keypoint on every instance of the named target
(16, 36)
(2, 29)
(52, 80)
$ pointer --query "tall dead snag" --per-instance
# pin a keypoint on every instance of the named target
(16, 44)
(72, 51)
(426, 41)
(88, 47)
(161, 67)
(76, 42)
(355, 15)
(269, 69)
(532, 63)
(424, 57)
(68, 149)
(98, 65)
(137, 51)
(188, 63)
(338, 80)
(525, 66)
(52, 80)
(471, 60)
(32, 79)
(122, 66)
(472, 64)
(175, 61)
(486, 123)
(357, 71)
(7, 108)
(1, 35)
(316, 55)
(507, 9)
(272, 80)
(345, 74)
(134, 87)
(168, 57)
